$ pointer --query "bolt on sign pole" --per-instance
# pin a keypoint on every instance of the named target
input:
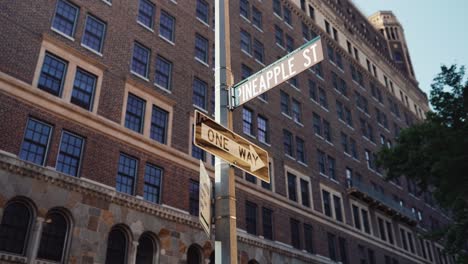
(225, 201)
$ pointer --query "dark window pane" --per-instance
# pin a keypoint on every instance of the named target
(126, 174)
(52, 74)
(194, 197)
(251, 217)
(167, 26)
(267, 219)
(146, 249)
(54, 232)
(159, 121)
(140, 60)
(163, 76)
(152, 186)
(199, 93)
(35, 142)
(15, 225)
(93, 36)
(202, 10)
(65, 18)
(146, 13)
(116, 247)
(135, 113)
(69, 157)
(83, 89)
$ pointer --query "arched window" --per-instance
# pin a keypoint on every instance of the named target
(116, 247)
(14, 228)
(53, 237)
(194, 255)
(146, 250)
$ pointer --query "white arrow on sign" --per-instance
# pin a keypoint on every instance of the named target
(247, 155)
(231, 147)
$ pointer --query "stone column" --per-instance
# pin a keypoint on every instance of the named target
(132, 253)
(35, 240)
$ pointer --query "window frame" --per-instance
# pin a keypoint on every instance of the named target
(101, 42)
(47, 145)
(72, 36)
(80, 158)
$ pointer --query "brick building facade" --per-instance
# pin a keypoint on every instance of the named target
(97, 163)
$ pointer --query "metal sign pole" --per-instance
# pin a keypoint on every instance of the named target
(225, 201)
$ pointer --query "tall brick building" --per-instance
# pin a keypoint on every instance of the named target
(97, 163)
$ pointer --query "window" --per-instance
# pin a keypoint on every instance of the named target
(53, 237)
(15, 226)
(93, 36)
(323, 98)
(327, 27)
(267, 223)
(257, 18)
(287, 16)
(308, 238)
(285, 103)
(135, 113)
(202, 11)
(365, 221)
(305, 195)
(331, 168)
(305, 31)
(83, 89)
(332, 246)
(163, 74)
(245, 42)
(146, 13)
(277, 7)
(52, 75)
(289, 43)
(356, 217)
(344, 142)
(247, 121)
(69, 156)
(317, 124)
(349, 117)
(194, 197)
(296, 111)
(258, 51)
(343, 250)
(332, 204)
(251, 217)
(295, 239)
(313, 90)
(353, 148)
(403, 239)
(244, 8)
(65, 18)
(152, 184)
(197, 152)
(279, 36)
(35, 142)
(116, 247)
(140, 60)
(201, 48)
(326, 203)
(146, 249)
(300, 150)
(166, 26)
(321, 161)
(158, 129)
(126, 175)
(292, 187)
(199, 93)
(340, 110)
(327, 130)
(337, 206)
(246, 71)
(371, 254)
(311, 12)
(262, 129)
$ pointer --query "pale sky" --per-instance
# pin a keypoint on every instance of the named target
(436, 32)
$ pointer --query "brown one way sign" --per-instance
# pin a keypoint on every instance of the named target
(229, 146)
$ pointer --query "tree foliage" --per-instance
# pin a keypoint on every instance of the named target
(434, 153)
